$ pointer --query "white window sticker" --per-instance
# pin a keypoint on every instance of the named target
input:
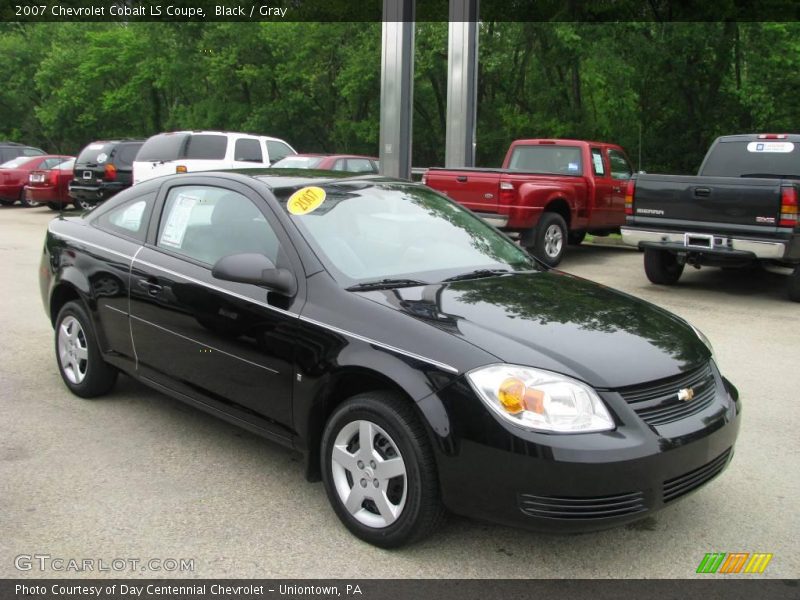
(178, 220)
(781, 147)
(102, 157)
(572, 167)
(598, 164)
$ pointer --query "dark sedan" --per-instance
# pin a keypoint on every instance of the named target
(417, 358)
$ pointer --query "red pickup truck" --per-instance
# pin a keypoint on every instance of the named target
(547, 192)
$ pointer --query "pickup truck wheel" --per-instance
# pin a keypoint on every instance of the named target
(575, 238)
(661, 267)
(551, 239)
(54, 206)
(794, 285)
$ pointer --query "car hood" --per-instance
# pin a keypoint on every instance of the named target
(559, 322)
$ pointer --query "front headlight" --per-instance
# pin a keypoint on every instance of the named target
(540, 400)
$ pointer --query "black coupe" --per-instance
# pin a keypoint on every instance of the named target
(416, 357)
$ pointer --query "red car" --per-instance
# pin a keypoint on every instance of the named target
(50, 186)
(14, 175)
(329, 162)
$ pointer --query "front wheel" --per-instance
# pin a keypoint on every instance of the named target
(551, 239)
(54, 206)
(78, 355)
(379, 471)
(661, 267)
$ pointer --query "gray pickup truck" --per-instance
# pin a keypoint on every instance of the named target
(741, 208)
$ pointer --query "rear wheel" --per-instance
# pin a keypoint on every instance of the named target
(82, 204)
(551, 239)
(25, 202)
(794, 285)
(6, 202)
(661, 267)
(79, 360)
(54, 206)
(379, 471)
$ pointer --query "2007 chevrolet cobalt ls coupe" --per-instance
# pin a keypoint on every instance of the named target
(416, 357)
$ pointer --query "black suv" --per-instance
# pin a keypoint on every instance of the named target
(101, 170)
(11, 150)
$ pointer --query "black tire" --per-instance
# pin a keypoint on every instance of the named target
(794, 285)
(661, 267)
(575, 238)
(55, 206)
(421, 511)
(550, 240)
(85, 377)
(25, 202)
(84, 204)
(6, 202)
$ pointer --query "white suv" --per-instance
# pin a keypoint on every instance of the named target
(190, 151)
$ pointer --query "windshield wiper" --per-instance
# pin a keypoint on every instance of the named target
(382, 284)
(477, 273)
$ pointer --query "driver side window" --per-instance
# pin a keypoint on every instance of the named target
(205, 223)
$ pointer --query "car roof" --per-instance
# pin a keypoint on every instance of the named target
(122, 141)
(752, 137)
(212, 132)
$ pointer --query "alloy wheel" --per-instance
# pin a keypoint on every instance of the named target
(73, 350)
(369, 474)
(553, 240)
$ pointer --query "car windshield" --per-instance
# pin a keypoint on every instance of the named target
(298, 162)
(15, 162)
(370, 231)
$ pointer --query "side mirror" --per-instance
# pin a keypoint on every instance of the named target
(256, 269)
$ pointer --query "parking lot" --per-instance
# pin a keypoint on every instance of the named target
(139, 475)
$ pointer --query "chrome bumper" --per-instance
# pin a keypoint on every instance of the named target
(494, 219)
(702, 242)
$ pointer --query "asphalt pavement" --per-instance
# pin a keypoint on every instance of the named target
(139, 476)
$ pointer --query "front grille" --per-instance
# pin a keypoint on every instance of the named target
(602, 507)
(657, 403)
(683, 484)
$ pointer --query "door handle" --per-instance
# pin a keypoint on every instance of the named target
(152, 288)
(702, 192)
(617, 188)
(461, 178)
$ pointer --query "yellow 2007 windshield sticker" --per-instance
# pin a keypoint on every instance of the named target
(305, 200)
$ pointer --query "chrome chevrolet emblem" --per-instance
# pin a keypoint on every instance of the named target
(685, 394)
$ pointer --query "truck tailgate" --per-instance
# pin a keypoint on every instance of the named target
(477, 189)
(743, 203)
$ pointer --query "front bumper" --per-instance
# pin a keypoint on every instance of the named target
(720, 246)
(580, 482)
